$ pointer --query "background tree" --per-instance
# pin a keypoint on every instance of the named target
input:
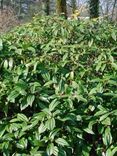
(1, 4)
(94, 8)
(113, 9)
(46, 6)
(74, 5)
(24, 10)
(61, 7)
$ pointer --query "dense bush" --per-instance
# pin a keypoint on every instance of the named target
(58, 89)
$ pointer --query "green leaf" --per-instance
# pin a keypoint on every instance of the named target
(88, 131)
(100, 107)
(61, 142)
(99, 113)
(6, 64)
(50, 149)
(90, 43)
(107, 137)
(48, 84)
(34, 87)
(54, 133)
(2, 129)
(114, 65)
(50, 123)
(114, 151)
(30, 100)
(80, 136)
(21, 86)
(13, 95)
(42, 128)
(22, 144)
(44, 99)
(11, 63)
(106, 122)
(86, 150)
(104, 116)
(79, 118)
(109, 152)
(14, 127)
(1, 44)
(99, 65)
(23, 105)
(56, 151)
(53, 105)
(22, 117)
(31, 49)
(114, 36)
(91, 108)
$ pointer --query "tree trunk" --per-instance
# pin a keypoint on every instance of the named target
(114, 5)
(1, 5)
(74, 5)
(94, 8)
(47, 7)
(61, 7)
(107, 10)
(20, 8)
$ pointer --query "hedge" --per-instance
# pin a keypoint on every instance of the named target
(58, 88)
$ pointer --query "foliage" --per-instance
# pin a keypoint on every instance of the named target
(58, 89)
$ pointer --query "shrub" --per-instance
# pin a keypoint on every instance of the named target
(58, 89)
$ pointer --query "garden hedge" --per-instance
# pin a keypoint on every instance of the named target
(58, 88)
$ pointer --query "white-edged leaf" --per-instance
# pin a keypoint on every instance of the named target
(30, 100)
(88, 131)
(11, 63)
(47, 84)
(62, 142)
(106, 122)
(79, 136)
(12, 96)
(22, 144)
(44, 99)
(1, 44)
(79, 118)
(22, 117)
(50, 124)
(114, 151)
(41, 128)
(53, 105)
(90, 42)
(107, 137)
(56, 151)
(114, 36)
(50, 149)
(5, 64)
(103, 117)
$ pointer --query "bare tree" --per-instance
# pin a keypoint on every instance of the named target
(61, 7)
(114, 4)
(1, 4)
(94, 8)
(74, 5)
(7, 20)
(47, 7)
